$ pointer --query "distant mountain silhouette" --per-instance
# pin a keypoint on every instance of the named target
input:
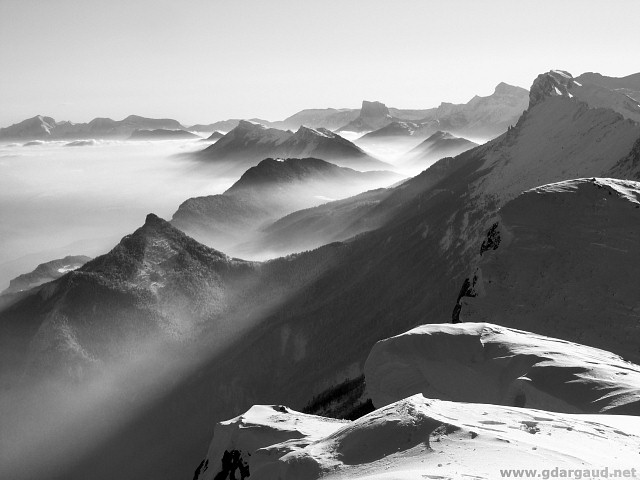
(46, 272)
(248, 143)
(484, 117)
(373, 115)
(437, 146)
(46, 128)
(161, 134)
(266, 192)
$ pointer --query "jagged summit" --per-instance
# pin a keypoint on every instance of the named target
(552, 83)
(595, 90)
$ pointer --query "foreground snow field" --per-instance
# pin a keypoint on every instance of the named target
(418, 438)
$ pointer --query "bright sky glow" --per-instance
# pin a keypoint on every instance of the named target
(204, 60)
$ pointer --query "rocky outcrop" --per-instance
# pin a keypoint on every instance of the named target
(373, 115)
(553, 83)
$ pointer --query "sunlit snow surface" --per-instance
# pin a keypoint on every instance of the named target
(56, 200)
(421, 438)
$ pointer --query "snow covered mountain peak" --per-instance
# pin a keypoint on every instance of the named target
(552, 83)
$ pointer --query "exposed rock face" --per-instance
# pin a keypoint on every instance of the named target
(553, 83)
(373, 110)
(373, 115)
(618, 94)
(486, 363)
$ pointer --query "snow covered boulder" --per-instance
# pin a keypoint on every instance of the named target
(485, 363)
(252, 442)
(419, 438)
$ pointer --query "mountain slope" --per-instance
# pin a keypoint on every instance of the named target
(532, 273)
(329, 118)
(484, 117)
(439, 145)
(597, 91)
(266, 192)
(400, 130)
(311, 228)
(157, 283)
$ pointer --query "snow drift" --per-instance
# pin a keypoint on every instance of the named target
(418, 438)
(485, 363)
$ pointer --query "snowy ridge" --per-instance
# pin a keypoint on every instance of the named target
(486, 363)
(589, 90)
(418, 438)
(626, 189)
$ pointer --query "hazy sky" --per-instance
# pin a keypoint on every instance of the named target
(205, 60)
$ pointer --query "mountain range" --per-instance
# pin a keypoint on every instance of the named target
(46, 128)
(481, 117)
(493, 114)
(161, 134)
(268, 191)
(475, 237)
(248, 143)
